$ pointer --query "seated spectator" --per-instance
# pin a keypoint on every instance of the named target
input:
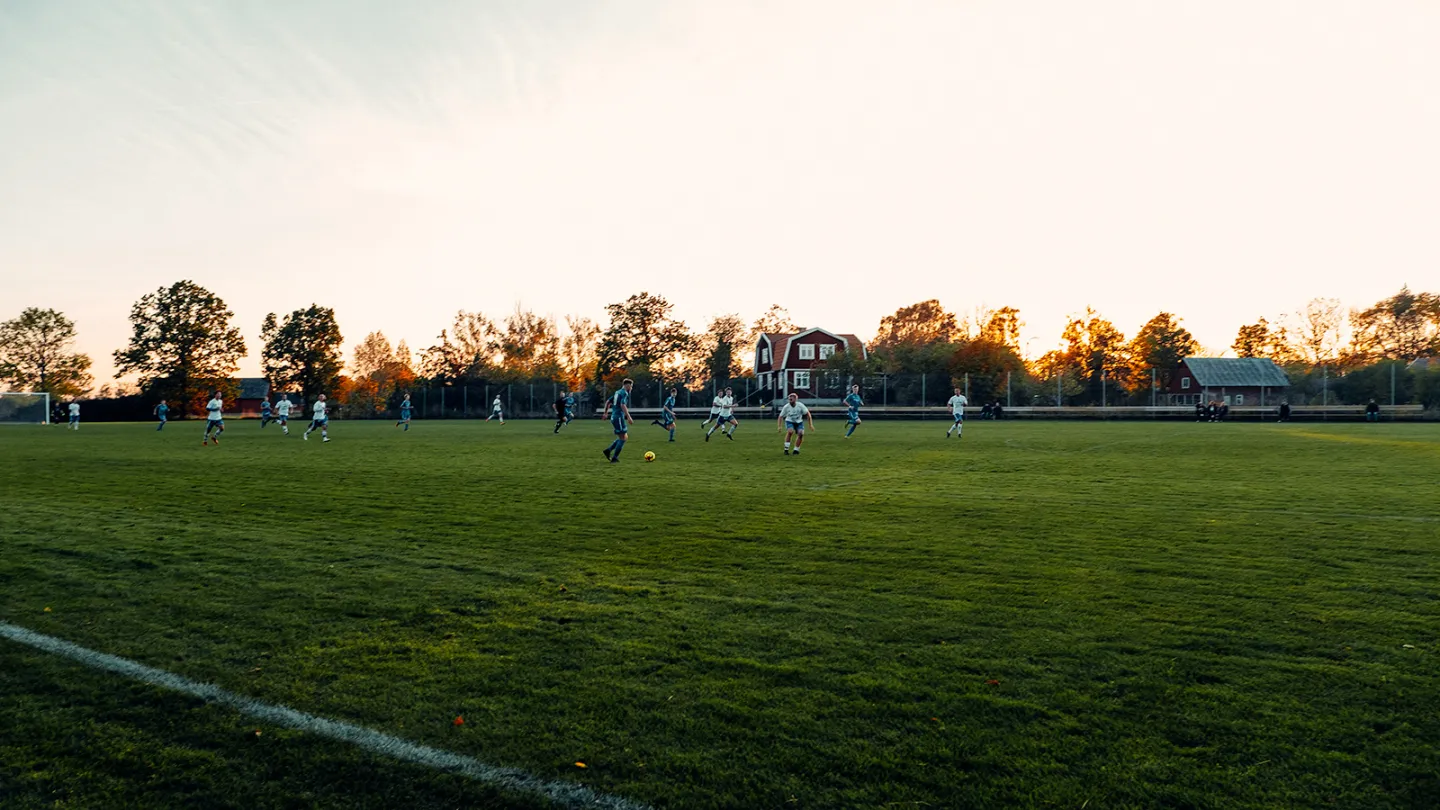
(985, 411)
(1199, 411)
(997, 412)
(1372, 411)
(1284, 411)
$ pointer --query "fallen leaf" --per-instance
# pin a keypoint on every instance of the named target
(992, 682)
(581, 765)
(257, 732)
(459, 721)
(1406, 646)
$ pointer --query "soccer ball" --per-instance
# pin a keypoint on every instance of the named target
(649, 456)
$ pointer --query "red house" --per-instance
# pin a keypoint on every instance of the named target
(785, 363)
(1232, 380)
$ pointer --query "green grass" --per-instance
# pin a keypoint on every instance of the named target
(1101, 615)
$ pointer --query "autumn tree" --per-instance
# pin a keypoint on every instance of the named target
(381, 376)
(181, 344)
(529, 346)
(722, 348)
(1159, 345)
(37, 354)
(1266, 340)
(642, 332)
(1404, 326)
(465, 351)
(1095, 349)
(579, 351)
(302, 351)
(1317, 335)
(919, 324)
(774, 321)
(1056, 377)
(1002, 327)
(987, 363)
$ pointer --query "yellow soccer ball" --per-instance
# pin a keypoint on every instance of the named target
(649, 456)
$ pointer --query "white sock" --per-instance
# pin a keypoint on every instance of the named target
(787, 445)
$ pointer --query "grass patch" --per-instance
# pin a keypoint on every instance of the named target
(1038, 615)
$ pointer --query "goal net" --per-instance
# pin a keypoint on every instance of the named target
(24, 409)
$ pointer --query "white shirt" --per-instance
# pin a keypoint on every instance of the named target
(496, 403)
(794, 413)
(726, 405)
(213, 409)
(74, 409)
(283, 407)
(958, 403)
(319, 410)
(715, 406)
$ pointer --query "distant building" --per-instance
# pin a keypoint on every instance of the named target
(786, 363)
(1424, 363)
(1235, 381)
(252, 391)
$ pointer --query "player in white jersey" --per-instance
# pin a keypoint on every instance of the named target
(726, 417)
(957, 405)
(496, 411)
(320, 419)
(214, 419)
(74, 416)
(714, 411)
(282, 412)
(792, 418)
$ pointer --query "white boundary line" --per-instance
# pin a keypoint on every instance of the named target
(563, 793)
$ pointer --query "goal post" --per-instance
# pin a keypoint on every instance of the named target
(20, 408)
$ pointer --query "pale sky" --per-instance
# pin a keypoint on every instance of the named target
(398, 161)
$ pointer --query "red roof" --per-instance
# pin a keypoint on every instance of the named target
(780, 345)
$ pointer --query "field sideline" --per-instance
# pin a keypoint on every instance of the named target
(1043, 614)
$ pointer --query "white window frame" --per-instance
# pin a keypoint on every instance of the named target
(1239, 399)
(802, 380)
(807, 351)
(827, 350)
(1185, 383)
(764, 355)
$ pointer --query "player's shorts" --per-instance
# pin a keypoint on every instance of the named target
(322, 422)
(959, 416)
(405, 416)
(280, 417)
(666, 419)
(727, 417)
(798, 427)
(75, 418)
(161, 417)
(620, 427)
(214, 423)
(852, 416)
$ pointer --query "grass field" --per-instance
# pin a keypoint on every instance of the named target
(1078, 615)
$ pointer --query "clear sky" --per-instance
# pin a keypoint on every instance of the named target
(401, 160)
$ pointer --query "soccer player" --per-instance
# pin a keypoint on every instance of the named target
(667, 414)
(320, 420)
(957, 409)
(617, 409)
(726, 417)
(214, 419)
(495, 411)
(282, 413)
(162, 411)
(569, 407)
(404, 413)
(853, 403)
(74, 415)
(714, 411)
(562, 410)
(793, 415)
(265, 411)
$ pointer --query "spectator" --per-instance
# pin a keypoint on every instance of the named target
(1372, 412)
(1199, 411)
(1284, 411)
(986, 411)
(997, 412)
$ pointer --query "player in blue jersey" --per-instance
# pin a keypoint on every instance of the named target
(404, 413)
(667, 414)
(265, 416)
(852, 415)
(569, 407)
(617, 410)
(162, 412)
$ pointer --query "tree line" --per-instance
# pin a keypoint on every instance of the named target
(184, 344)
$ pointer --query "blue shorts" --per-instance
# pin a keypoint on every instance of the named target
(75, 418)
(666, 418)
(852, 416)
(162, 417)
(960, 417)
(620, 427)
(320, 422)
(405, 415)
(727, 417)
(214, 423)
(798, 427)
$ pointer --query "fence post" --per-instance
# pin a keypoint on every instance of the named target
(967, 385)
(442, 402)
(884, 390)
(922, 389)
(1392, 389)
(1008, 375)
(1058, 397)
(1103, 402)
(532, 399)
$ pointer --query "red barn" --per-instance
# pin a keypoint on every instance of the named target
(785, 363)
(1232, 380)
